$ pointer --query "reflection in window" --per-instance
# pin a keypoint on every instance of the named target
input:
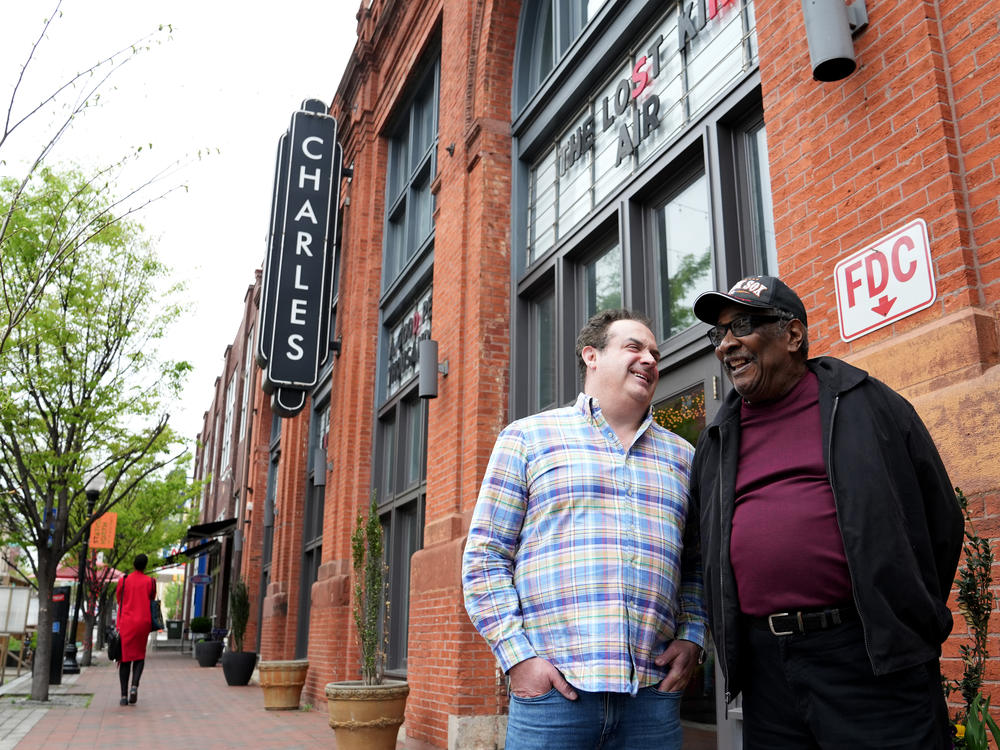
(603, 282)
(683, 414)
(403, 531)
(544, 336)
(682, 229)
(551, 26)
(760, 197)
(388, 443)
(415, 442)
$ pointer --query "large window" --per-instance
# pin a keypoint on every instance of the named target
(270, 510)
(548, 28)
(410, 205)
(682, 239)
(602, 282)
(247, 381)
(402, 466)
(399, 475)
(227, 430)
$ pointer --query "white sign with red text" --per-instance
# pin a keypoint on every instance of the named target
(884, 282)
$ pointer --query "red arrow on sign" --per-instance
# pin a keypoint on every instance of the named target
(884, 305)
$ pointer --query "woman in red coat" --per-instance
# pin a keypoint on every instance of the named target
(135, 592)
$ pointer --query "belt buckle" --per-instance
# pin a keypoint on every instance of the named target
(770, 624)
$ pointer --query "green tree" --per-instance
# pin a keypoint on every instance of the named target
(154, 516)
(81, 387)
(173, 599)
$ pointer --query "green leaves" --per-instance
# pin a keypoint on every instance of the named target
(369, 591)
(239, 612)
(975, 602)
(977, 723)
(82, 383)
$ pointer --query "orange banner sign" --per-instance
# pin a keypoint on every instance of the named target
(102, 531)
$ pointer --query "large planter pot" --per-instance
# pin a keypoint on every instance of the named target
(238, 666)
(366, 717)
(282, 683)
(208, 652)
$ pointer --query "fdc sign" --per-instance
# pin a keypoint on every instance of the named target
(884, 282)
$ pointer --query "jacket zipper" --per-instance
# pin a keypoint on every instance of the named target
(721, 650)
(847, 558)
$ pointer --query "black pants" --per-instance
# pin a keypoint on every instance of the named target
(123, 670)
(817, 692)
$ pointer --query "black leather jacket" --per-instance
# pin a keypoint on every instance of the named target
(900, 521)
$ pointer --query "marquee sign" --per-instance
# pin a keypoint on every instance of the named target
(671, 75)
(293, 340)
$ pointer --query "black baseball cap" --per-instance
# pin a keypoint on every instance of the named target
(760, 292)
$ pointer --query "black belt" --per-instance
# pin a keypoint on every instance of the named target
(798, 623)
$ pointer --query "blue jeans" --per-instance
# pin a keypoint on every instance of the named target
(601, 721)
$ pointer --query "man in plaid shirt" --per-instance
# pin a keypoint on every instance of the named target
(578, 570)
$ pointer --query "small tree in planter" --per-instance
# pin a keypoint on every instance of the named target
(366, 714)
(370, 591)
(237, 664)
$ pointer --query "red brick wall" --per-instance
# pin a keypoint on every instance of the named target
(912, 133)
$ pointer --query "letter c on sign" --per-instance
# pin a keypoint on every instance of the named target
(305, 147)
(903, 243)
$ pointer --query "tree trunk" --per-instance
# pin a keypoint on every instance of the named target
(88, 640)
(103, 618)
(43, 652)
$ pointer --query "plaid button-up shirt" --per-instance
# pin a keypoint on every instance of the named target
(576, 550)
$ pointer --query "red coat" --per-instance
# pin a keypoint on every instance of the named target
(135, 592)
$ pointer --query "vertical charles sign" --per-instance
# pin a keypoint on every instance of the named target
(293, 339)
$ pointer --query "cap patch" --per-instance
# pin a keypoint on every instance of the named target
(749, 286)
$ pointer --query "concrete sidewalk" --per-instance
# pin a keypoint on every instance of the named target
(181, 705)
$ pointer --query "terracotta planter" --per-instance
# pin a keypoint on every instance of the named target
(282, 683)
(366, 717)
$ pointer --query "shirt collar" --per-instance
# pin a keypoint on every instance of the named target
(590, 408)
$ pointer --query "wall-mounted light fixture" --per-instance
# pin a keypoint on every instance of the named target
(830, 26)
(428, 368)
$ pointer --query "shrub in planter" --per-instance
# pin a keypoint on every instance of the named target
(237, 664)
(200, 625)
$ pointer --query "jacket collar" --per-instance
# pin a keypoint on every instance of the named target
(833, 374)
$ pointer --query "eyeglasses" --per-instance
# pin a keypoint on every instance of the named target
(744, 325)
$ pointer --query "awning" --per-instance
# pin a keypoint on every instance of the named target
(215, 528)
(193, 552)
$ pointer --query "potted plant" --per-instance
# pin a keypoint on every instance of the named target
(366, 714)
(206, 651)
(237, 664)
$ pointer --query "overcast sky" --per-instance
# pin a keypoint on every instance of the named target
(226, 82)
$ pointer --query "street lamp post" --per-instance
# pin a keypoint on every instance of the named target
(92, 490)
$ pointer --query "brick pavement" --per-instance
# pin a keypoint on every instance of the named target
(180, 705)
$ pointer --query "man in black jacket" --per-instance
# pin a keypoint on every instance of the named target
(830, 536)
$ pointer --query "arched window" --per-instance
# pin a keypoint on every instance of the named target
(547, 29)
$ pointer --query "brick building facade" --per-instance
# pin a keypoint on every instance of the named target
(505, 185)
